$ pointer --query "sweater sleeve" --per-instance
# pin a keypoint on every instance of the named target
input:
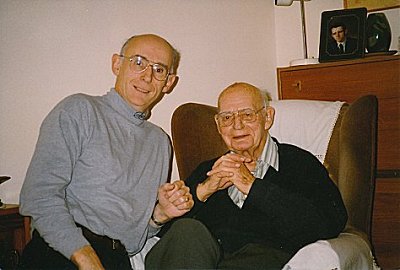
(195, 178)
(300, 200)
(44, 190)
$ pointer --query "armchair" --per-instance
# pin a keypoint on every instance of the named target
(349, 155)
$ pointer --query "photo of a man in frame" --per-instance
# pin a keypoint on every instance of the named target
(340, 41)
(342, 34)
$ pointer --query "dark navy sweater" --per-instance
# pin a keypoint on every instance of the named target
(287, 209)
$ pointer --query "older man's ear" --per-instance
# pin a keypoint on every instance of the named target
(269, 117)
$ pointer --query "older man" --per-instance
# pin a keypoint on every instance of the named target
(91, 188)
(256, 205)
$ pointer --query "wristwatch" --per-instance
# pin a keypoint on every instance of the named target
(159, 224)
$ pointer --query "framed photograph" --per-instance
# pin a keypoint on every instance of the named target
(342, 34)
(372, 5)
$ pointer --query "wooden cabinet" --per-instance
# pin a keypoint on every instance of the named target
(346, 81)
(14, 235)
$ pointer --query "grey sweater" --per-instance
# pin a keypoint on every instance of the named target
(98, 165)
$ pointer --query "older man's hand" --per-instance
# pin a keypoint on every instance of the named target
(233, 169)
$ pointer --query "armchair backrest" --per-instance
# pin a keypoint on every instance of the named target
(350, 157)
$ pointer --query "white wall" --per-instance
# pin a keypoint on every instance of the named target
(51, 49)
(289, 39)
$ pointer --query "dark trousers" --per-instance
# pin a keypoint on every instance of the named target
(188, 244)
(39, 255)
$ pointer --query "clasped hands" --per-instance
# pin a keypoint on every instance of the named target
(230, 169)
(174, 200)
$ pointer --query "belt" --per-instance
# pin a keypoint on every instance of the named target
(103, 240)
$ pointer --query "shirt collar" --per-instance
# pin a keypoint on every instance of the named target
(121, 106)
(269, 157)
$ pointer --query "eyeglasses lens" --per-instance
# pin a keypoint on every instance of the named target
(226, 119)
(140, 64)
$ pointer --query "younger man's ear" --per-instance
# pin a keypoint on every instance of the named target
(171, 82)
(116, 62)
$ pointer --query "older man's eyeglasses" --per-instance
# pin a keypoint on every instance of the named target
(225, 119)
(139, 64)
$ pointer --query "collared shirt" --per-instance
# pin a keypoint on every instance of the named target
(343, 45)
(269, 157)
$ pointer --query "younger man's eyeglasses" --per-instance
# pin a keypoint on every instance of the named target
(139, 64)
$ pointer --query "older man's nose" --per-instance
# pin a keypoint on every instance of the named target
(237, 122)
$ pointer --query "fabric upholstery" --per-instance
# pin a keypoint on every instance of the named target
(195, 136)
(289, 125)
(347, 251)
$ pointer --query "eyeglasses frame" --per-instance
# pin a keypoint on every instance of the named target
(130, 58)
(236, 113)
